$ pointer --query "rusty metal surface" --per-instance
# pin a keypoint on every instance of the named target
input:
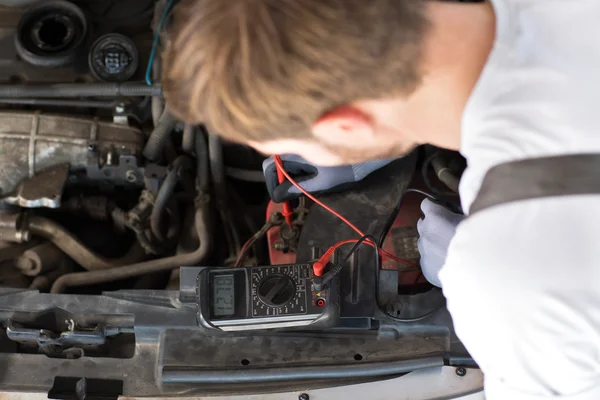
(43, 190)
(32, 142)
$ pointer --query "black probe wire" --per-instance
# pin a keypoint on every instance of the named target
(338, 267)
(394, 214)
(425, 174)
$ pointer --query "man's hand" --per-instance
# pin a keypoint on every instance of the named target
(313, 178)
(436, 230)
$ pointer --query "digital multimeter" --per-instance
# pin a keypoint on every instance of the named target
(270, 297)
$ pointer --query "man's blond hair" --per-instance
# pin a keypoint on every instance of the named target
(267, 69)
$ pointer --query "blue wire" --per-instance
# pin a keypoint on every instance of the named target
(156, 40)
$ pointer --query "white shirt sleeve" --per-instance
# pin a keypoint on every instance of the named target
(522, 280)
(522, 287)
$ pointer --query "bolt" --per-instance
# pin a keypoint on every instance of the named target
(279, 246)
(304, 396)
(461, 371)
(277, 218)
(130, 176)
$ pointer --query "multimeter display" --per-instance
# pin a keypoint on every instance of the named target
(269, 297)
(224, 295)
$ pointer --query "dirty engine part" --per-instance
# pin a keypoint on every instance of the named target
(97, 152)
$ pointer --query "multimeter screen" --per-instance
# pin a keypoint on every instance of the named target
(223, 295)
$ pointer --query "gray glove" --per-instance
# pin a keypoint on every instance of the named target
(436, 230)
(313, 178)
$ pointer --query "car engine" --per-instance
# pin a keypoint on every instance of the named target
(130, 242)
(95, 174)
(102, 189)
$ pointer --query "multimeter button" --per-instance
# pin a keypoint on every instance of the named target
(277, 290)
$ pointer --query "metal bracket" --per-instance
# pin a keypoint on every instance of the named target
(43, 190)
(57, 344)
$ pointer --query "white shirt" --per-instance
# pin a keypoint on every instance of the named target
(523, 279)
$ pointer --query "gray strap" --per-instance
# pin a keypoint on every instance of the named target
(537, 178)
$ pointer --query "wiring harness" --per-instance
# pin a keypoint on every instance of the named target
(322, 277)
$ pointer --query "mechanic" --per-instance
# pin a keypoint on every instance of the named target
(343, 81)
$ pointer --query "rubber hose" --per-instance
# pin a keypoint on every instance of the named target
(159, 136)
(67, 242)
(187, 142)
(444, 174)
(270, 375)
(202, 168)
(164, 195)
(157, 107)
(217, 169)
(148, 267)
(246, 175)
(157, 103)
(62, 90)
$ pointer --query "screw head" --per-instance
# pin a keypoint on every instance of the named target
(460, 371)
(304, 396)
(130, 176)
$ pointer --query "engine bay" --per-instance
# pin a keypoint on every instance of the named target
(130, 238)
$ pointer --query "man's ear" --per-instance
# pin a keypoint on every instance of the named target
(343, 126)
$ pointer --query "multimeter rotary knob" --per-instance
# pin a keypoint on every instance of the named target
(276, 290)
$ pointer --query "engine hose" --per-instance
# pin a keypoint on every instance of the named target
(217, 172)
(217, 168)
(63, 90)
(148, 267)
(187, 142)
(246, 175)
(157, 103)
(159, 136)
(67, 242)
(164, 195)
(444, 173)
(157, 107)
(202, 168)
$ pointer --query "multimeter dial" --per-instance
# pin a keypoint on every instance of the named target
(279, 290)
(276, 290)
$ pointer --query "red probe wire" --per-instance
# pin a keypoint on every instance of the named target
(319, 266)
(287, 207)
(325, 258)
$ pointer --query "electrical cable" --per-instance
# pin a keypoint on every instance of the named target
(394, 214)
(279, 165)
(338, 266)
(161, 22)
(372, 242)
(245, 250)
(424, 173)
